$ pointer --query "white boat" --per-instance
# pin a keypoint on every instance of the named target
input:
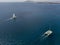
(13, 17)
(48, 32)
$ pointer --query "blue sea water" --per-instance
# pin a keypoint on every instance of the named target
(33, 19)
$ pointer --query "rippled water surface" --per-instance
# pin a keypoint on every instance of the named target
(33, 19)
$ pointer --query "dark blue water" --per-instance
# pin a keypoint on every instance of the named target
(33, 19)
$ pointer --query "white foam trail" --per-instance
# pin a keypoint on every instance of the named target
(12, 18)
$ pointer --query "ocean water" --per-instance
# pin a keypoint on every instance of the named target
(33, 19)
